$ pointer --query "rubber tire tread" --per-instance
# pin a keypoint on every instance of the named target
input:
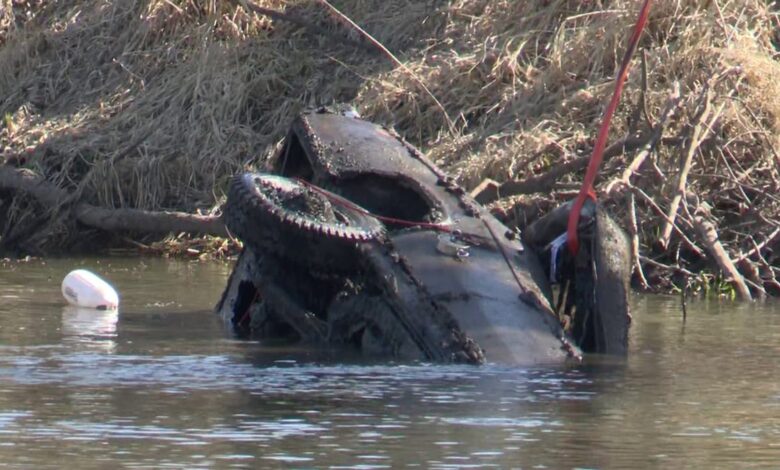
(246, 217)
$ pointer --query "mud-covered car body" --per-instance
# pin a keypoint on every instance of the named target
(443, 280)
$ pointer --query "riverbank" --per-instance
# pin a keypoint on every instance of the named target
(176, 97)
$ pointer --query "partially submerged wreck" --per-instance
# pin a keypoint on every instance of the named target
(356, 239)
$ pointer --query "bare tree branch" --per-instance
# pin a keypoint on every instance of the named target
(132, 220)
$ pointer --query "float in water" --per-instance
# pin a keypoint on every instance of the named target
(82, 288)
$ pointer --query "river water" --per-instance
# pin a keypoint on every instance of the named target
(163, 385)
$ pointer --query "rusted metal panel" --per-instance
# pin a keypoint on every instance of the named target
(445, 281)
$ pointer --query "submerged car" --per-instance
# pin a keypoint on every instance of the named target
(355, 238)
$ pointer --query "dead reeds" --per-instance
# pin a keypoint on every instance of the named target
(153, 104)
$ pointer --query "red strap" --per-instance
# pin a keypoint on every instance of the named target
(338, 200)
(586, 191)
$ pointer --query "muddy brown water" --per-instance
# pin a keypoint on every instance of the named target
(162, 385)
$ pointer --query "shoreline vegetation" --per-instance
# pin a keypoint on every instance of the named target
(121, 121)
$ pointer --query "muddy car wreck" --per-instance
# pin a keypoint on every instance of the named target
(355, 238)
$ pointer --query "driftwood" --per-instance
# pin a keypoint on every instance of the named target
(132, 220)
(709, 236)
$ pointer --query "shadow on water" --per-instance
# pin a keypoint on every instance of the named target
(163, 384)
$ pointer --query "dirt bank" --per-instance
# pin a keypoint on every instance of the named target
(153, 104)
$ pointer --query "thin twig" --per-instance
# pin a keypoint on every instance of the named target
(545, 182)
(757, 247)
(672, 104)
(645, 110)
(525, 294)
(667, 267)
(752, 277)
(683, 295)
(682, 180)
(345, 20)
(641, 107)
(700, 128)
(661, 212)
(296, 20)
(768, 269)
(734, 177)
(635, 242)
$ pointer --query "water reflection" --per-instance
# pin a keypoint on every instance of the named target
(162, 385)
(89, 327)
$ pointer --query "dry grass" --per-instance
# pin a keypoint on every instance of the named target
(154, 103)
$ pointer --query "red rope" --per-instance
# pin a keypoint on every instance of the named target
(354, 207)
(586, 191)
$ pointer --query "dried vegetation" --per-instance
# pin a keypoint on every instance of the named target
(153, 104)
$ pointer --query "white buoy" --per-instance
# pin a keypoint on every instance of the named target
(83, 288)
